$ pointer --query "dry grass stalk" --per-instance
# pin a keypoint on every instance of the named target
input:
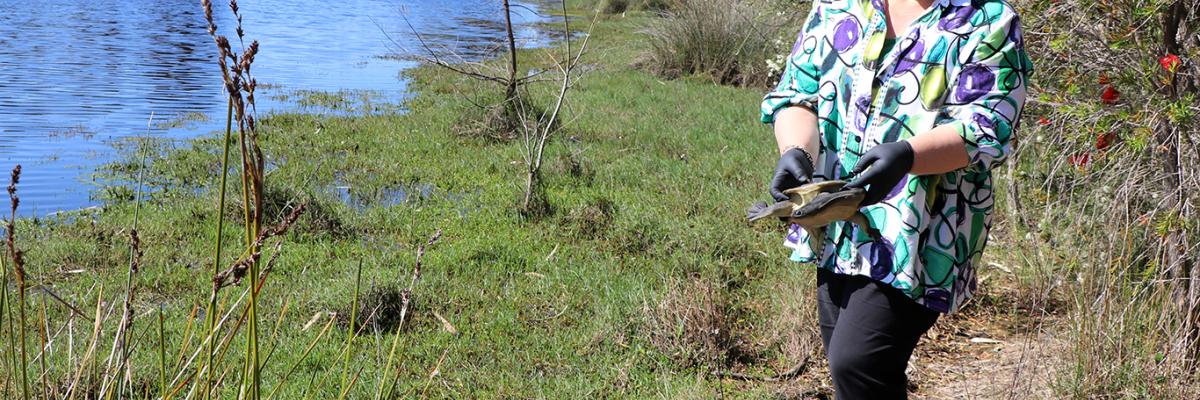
(98, 321)
(121, 348)
(405, 300)
(406, 295)
(691, 324)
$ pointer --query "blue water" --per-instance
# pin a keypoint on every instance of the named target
(79, 76)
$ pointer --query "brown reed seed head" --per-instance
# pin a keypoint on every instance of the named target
(233, 6)
(208, 16)
(136, 243)
(19, 267)
(250, 96)
(16, 178)
(224, 47)
(18, 256)
(248, 55)
(12, 192)
(233, 275)
(292, 217)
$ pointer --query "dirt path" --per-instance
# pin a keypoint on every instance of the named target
(992, 351)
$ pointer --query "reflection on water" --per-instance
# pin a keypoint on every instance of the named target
(77, 75)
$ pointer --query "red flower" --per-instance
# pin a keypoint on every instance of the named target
(1105, 140)
(1080, 160)
(1043, 121)
(1169, 62)
(1110, 95)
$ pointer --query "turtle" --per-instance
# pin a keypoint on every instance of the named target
(815, 205)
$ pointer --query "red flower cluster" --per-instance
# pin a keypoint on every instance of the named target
(1110, 95)
(1080, 160)
(1043, 121)
(1169, 62)
(1105, 140)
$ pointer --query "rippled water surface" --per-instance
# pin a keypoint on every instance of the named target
(77, 76)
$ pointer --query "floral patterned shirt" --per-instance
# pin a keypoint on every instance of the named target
(961, 64)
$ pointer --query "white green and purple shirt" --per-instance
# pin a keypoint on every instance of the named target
(963, 64)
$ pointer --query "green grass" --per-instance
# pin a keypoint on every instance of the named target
(649, 188)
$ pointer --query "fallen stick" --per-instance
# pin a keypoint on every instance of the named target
(788, 375)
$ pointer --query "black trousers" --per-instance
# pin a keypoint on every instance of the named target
(869, 330)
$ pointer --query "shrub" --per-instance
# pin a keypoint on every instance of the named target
(1104, 182)
(728, 41)
(621, 6)
(613, 6)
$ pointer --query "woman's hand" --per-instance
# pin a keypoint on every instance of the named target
(793, 169)
(888, 163)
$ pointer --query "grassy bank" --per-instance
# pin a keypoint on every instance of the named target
(648, 186)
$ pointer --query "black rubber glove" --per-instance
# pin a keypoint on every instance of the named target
(793, 169)
(888, 163)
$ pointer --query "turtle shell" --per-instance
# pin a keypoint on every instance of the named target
(842, 201)
(816, 187)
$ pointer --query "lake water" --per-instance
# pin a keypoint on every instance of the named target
(78, 76)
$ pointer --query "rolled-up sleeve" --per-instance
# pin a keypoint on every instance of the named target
(801, 75)
(988, 94)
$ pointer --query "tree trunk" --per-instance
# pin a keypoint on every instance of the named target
(533, 203)
(1185, 291)
(510, 89)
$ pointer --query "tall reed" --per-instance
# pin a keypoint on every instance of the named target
(239, 86)
(9, 361)
(18, 260)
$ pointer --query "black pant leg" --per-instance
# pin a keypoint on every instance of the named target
(829, 302)
(873, 338)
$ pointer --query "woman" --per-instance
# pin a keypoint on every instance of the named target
(916, 102)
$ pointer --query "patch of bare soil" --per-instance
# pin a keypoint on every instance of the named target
(989, 351)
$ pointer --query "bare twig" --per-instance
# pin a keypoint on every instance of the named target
(788, 375)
